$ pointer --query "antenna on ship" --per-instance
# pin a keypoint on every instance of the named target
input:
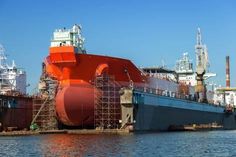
(2, 57)
(199, 36)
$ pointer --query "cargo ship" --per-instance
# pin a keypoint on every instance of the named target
(108, 92)
(15, 104)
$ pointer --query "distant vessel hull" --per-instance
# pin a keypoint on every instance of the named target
(15, 112)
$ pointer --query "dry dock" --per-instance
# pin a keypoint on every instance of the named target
(79, 132)
(108, 131)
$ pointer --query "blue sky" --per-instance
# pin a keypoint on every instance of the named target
(145, 32)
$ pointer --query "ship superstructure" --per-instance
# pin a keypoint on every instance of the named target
(184, 69)
(11, 77)
(69, 37)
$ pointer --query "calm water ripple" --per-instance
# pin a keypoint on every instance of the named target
(176, 144)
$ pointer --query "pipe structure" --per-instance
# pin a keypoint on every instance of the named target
(227, 72)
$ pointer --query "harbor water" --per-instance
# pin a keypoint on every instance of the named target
(203, 143)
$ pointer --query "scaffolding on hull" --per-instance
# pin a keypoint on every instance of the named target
(44, 112)
(107, 109)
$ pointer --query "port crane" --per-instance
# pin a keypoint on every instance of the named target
(202, 65)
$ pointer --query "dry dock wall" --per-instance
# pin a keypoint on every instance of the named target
(156, 112)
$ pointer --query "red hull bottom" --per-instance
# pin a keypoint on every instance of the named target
(75, 105)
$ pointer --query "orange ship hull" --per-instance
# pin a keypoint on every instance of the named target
(76, 73)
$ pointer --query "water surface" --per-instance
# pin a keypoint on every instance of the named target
(207, 143)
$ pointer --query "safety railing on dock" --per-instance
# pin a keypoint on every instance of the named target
(180, 96)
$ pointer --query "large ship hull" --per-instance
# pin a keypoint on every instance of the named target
(76, 76)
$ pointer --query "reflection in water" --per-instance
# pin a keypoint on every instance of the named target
(85, 145)
(214, 143)
(62, 145)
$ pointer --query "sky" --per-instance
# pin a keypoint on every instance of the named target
(148, 32)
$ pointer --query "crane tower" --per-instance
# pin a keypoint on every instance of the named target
(202, 65)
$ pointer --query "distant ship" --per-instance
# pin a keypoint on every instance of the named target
(108, 92)
(15, 105)
(11, 78)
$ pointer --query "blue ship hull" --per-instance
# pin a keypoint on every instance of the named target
(155, 112)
